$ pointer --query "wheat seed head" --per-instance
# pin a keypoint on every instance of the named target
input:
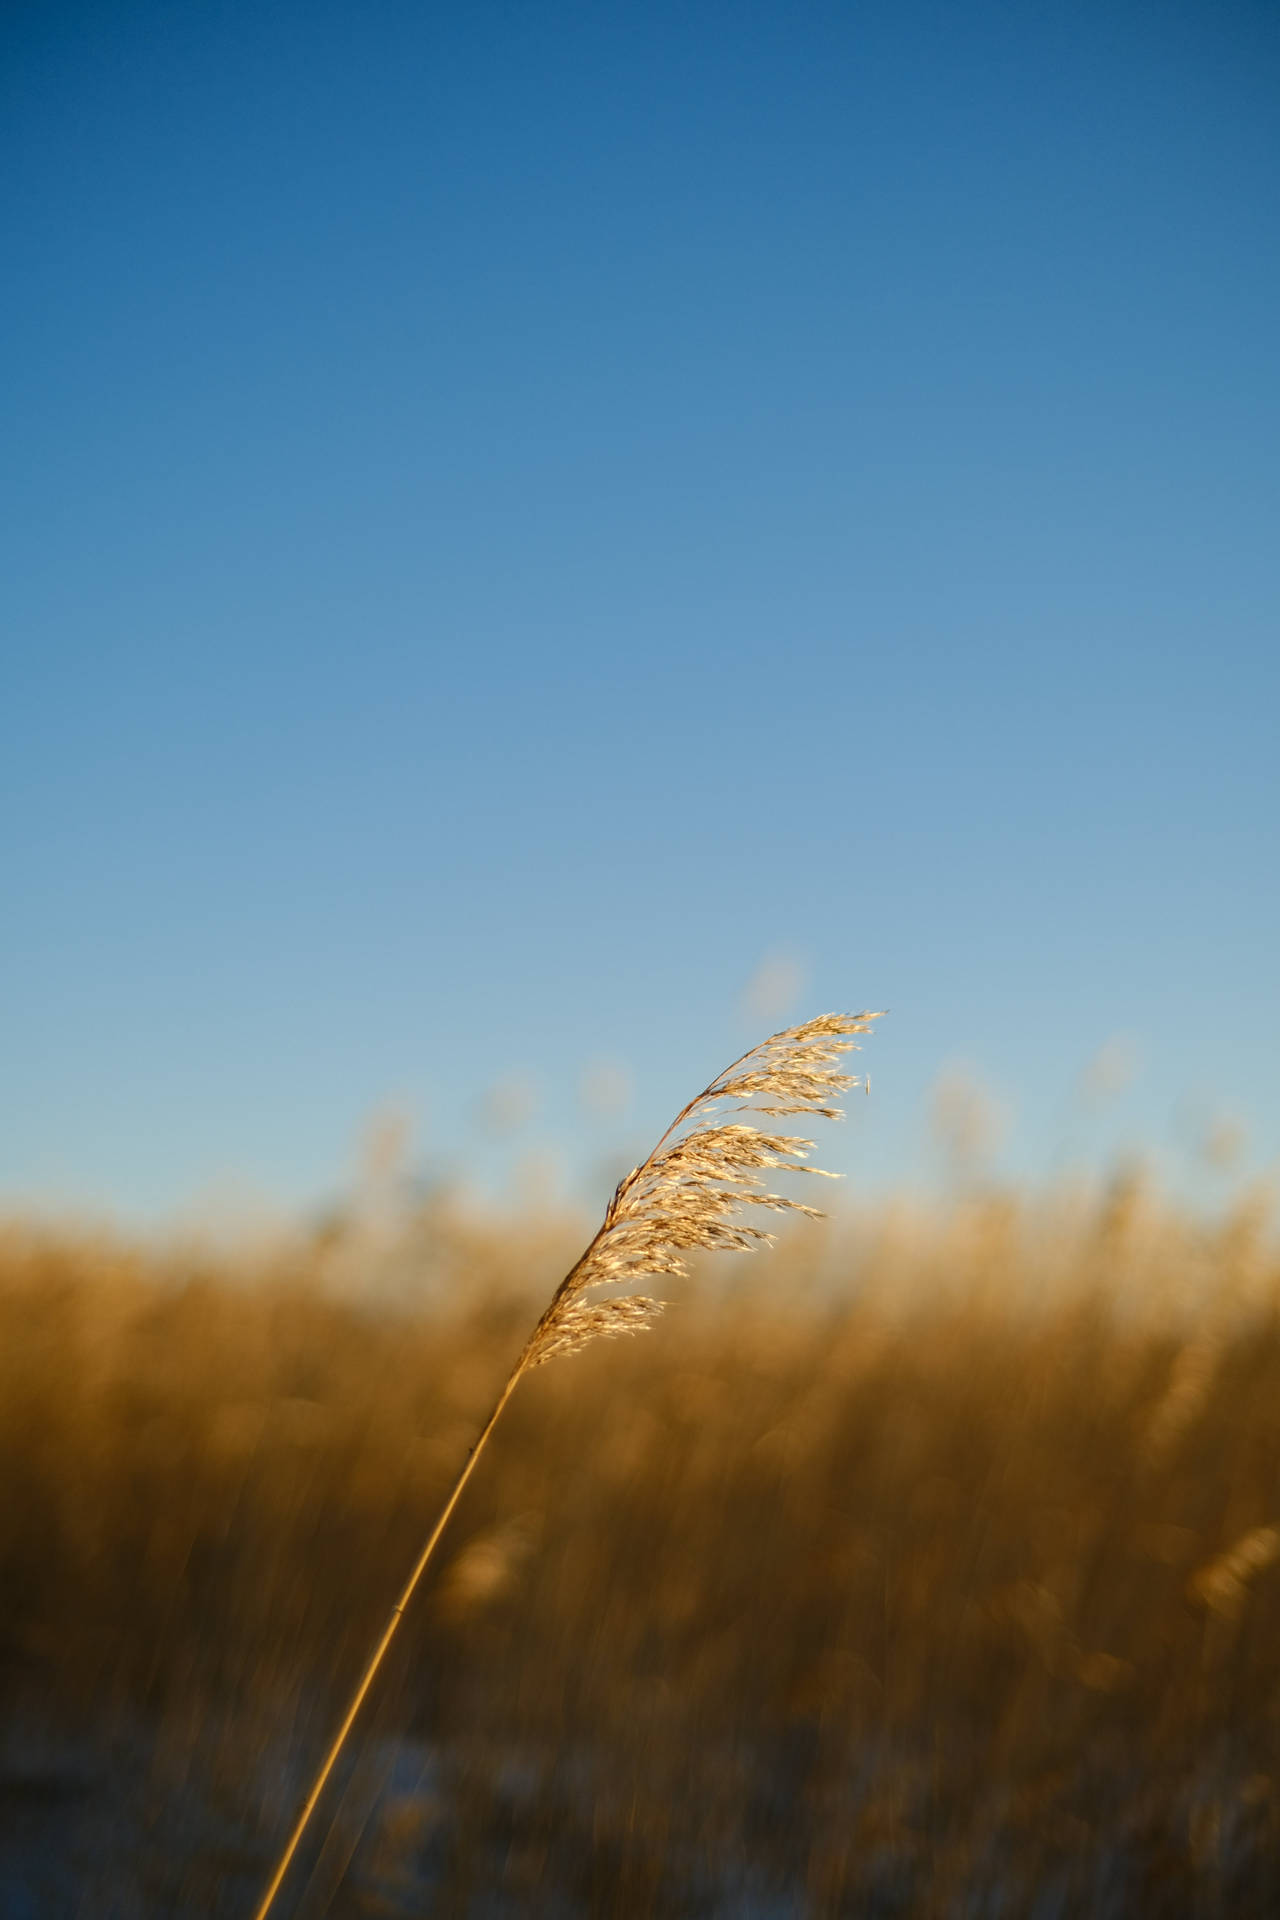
(709, 1166)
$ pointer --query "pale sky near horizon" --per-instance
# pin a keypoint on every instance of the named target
(518, 516)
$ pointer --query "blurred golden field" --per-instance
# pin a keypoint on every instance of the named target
(927, 1566)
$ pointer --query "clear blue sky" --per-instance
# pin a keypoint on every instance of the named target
(514, 514)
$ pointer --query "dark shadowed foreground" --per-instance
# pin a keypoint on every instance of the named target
(930, 1567)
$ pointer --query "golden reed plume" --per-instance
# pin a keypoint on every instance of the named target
(686, 1197)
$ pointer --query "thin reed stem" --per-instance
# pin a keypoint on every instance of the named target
(379, 1652)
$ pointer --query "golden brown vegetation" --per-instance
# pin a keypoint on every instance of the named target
(688, 1195)
(932, 1570)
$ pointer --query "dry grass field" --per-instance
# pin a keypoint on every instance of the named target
(927, 1566)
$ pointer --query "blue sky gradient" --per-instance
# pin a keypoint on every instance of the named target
(515, 514)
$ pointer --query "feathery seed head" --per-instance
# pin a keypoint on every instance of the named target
(688, 1195)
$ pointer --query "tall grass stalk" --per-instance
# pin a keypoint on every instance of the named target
(686, 1197)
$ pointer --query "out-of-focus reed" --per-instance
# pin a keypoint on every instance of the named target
(937, 1569)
